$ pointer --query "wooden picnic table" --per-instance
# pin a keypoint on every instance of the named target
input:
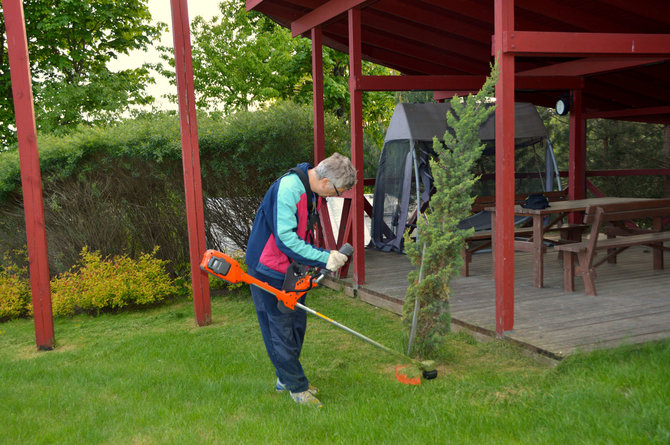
(556, 212)
(615, 220)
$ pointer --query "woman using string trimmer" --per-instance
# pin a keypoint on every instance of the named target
(281, 235)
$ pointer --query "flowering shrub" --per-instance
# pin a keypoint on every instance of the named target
(111, 283)
(15, 296)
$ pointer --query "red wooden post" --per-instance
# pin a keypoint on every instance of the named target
(356, 119)
(666, 151)
(325, 236)
(191, 159)
(504, 249)
(317, 92)
(31, 179)
(577, 153)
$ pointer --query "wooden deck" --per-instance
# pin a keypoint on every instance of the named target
(632, 306)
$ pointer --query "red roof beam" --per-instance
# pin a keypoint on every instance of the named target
(461, 83)
(637, 112)
(591, 65)
(322, 14)
(578, 18)
(284, 14)
(466, 8)
(548, 83)
(620, 96)
(412, 83)
(422, 52)
(252, 4)
(659, 12)
(577, 43)
(417, 15)
(410, 32)
(399, 62)
(477, 14)
(415, 50)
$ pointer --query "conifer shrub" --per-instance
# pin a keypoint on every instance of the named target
(436, 251)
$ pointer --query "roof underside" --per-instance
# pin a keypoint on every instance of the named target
(453, 37)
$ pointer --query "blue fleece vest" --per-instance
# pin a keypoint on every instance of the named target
(280, 226)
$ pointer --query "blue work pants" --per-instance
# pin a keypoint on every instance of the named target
(283, 334)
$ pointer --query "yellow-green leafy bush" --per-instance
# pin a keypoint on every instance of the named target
(15, 297)
(97, 283)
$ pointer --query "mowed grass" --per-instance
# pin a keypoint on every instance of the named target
(154, 377)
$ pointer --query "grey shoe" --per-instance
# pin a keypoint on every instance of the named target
(306, 398)
(280, 387)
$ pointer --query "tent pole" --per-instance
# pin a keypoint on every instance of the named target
(554, 166)
(415, 314)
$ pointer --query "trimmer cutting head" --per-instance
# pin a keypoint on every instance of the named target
(428, 369)
(429, 375)
(409, 374)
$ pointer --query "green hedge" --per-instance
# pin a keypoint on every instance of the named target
(119, 189)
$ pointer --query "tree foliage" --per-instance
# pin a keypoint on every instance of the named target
(614, 145)
(437, 248)
(243, 59)
(70, 43)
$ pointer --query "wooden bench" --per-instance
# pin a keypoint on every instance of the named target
(606, 218)
(481, 239)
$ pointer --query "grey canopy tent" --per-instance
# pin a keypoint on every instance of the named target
(404, 182)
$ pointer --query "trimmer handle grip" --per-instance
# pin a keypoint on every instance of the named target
(346, 249)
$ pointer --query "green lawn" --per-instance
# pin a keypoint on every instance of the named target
(154, 377)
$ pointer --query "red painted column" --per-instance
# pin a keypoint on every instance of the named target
(504, 218)
(31, 178)
(577, 154)
(356, 107)
(317, 93)
(325, 237)
(191, 159)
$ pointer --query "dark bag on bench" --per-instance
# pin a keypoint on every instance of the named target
(536, 201)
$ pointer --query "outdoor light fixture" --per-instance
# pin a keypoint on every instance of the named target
(563, 105)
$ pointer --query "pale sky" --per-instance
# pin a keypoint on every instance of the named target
(160, 12)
